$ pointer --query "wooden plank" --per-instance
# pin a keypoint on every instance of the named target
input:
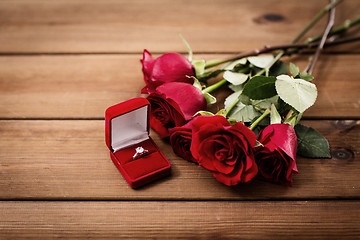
(69, 160)
(84, 86)
(129, 26)
(180, 220)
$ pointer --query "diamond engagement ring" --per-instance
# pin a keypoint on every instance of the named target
(139, 152)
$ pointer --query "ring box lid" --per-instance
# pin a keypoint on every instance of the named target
(127, 123)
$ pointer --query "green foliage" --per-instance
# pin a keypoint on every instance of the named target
(243, 113)
(199, 66)
(262, 61)
(235, 78)
(260, 87)
(211, 74)
(264, 103)
(311, 143)
(204, 113)
(298, 93)
(197, 83)
(210, 99)
(232, 121)
(236, 88)
(274, 115)
(294, 70)
(187, 45)
(235, 63)
(230, 100)
(306, 76)
(278, 68)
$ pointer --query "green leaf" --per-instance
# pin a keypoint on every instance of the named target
(235, 78)
(187, 45)
(243, 113)
(261, 61)
(291, 120)
(311, 143)
(298, 118)
(278, 68)
(245, 99)
(283, 107)
(260, 87)
(199, 66)
(236, 88)
(274, 115)
(231, 65)
(210, 99)
(204, 113)
(306, 76)
(221, 112)
(211, 74)
(265, 103)
(196, 83)
(230, 100)
(232, 121)
(294, 70)
(298, 93)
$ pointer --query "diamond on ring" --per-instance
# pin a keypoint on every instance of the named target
(139, 152)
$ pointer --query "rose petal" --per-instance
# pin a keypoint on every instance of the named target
(170, 67)
(180, 139)
(231, 179)
(147, 63)
(173, 67)
(185, 97)
(284, 137)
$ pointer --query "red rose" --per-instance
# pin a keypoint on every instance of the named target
(170, 67)
(276, 159)
(225, 150)
(173, 104)
(180, 139)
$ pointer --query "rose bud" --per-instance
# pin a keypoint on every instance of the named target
(173, 104)
(225, 150)
(180, 139)
(170, 67)
(276, 158)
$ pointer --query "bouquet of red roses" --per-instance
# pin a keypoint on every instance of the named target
(257, 131)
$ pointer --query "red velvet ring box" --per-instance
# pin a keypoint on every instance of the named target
(126, 129)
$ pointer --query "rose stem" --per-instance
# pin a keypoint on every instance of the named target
(339, 29)
(316, 18)
(297, 47)
(323, 39)
(254, 124)
(281, 53)
(311, 66)
(215, 86)
(313, 21)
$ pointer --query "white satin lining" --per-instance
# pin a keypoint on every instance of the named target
(129, 129)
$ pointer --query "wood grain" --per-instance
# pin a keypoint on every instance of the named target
(180, 220)
(38, 26)
(62, 63)
(84, 86)
(69, 160)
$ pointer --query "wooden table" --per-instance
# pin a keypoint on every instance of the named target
(62, 63)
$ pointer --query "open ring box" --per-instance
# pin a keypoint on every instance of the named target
(127, 128)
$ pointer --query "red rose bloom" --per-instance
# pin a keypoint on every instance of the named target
(276, 159)
(225, 150)
(173, 104)
(170, 67)
(180, 139)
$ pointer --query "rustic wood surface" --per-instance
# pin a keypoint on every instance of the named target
(185, 220)
(62, 63)
(84, 86)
